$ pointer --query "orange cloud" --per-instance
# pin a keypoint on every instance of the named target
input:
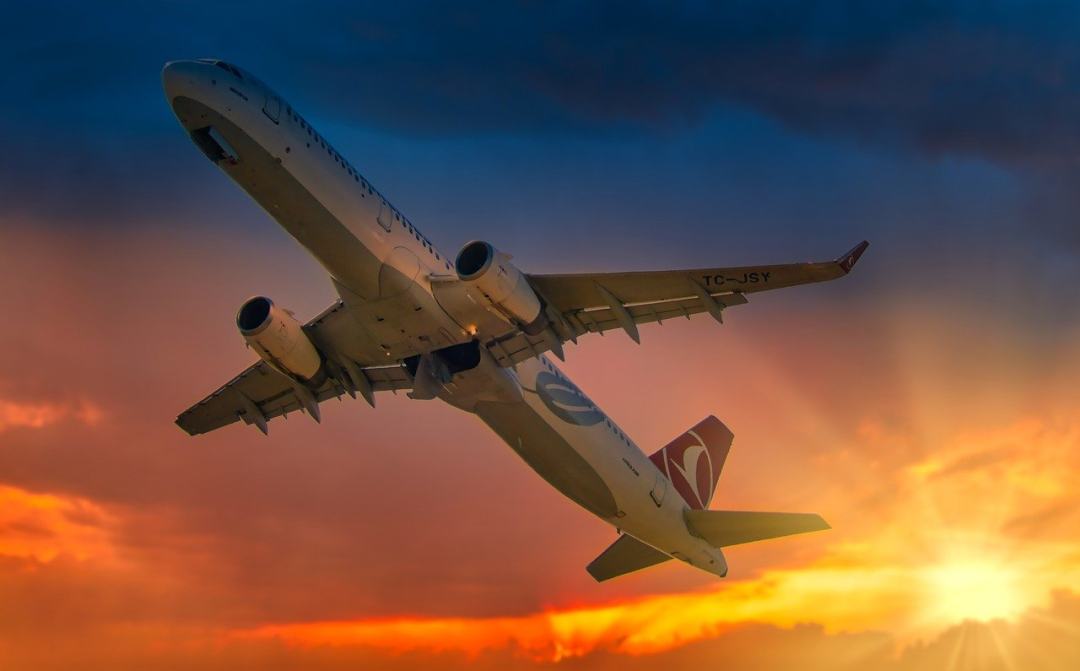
(934, 556)
(41, 527)
(649, 626)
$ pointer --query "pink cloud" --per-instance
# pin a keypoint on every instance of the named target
(38, 415)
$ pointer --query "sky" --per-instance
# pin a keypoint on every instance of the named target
(926, 405)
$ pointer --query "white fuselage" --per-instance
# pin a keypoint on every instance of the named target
(384, 269)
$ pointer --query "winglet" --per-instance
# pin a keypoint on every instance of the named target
(847, 261)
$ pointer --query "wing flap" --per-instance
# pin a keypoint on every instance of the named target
(520, 346)
(625, 555)
(598, 320)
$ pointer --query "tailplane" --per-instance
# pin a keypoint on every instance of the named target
(625, 555)
(692, 463)
(721, 528)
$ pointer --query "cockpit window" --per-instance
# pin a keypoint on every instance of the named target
(229, 68)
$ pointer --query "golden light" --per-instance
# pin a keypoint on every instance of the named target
(979, 589)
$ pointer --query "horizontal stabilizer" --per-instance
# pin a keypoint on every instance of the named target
(722, 528)
(625, 555)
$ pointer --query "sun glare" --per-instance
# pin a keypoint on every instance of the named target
(972, 590)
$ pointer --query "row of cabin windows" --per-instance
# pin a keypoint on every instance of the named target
(419, 238)
(364, 185)
(365, 188)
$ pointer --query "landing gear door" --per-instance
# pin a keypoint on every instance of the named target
(272, 107)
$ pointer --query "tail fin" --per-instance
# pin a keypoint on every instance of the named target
(693, 461)
(721, 528)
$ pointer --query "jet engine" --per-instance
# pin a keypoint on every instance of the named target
(505, 287)
(278, 338)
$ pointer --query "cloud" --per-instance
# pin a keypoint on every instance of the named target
(63, 561)
(1042, 638)
(644, 626)
(959, 77)
(40, 527)
(39, 415)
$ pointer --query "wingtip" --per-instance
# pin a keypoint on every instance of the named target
(179, 421)
(848, 261)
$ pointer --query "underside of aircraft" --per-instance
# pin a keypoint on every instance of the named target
(474, 332)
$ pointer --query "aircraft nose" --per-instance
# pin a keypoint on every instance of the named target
(180, 78)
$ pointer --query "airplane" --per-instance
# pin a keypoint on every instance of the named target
(473, 331)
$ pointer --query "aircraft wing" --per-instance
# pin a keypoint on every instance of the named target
(260, 393)
(597, 302)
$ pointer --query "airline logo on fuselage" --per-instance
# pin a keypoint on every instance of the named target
(564, 399)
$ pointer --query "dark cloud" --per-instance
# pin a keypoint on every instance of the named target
(92, 132)
(996, 80)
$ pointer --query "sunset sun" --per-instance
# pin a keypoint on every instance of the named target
(978, 589)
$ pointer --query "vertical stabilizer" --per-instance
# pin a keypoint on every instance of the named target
(693, 461)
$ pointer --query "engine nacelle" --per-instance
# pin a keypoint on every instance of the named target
(490, 271)
(278, 338)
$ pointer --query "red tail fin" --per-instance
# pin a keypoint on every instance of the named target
(693, 460)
